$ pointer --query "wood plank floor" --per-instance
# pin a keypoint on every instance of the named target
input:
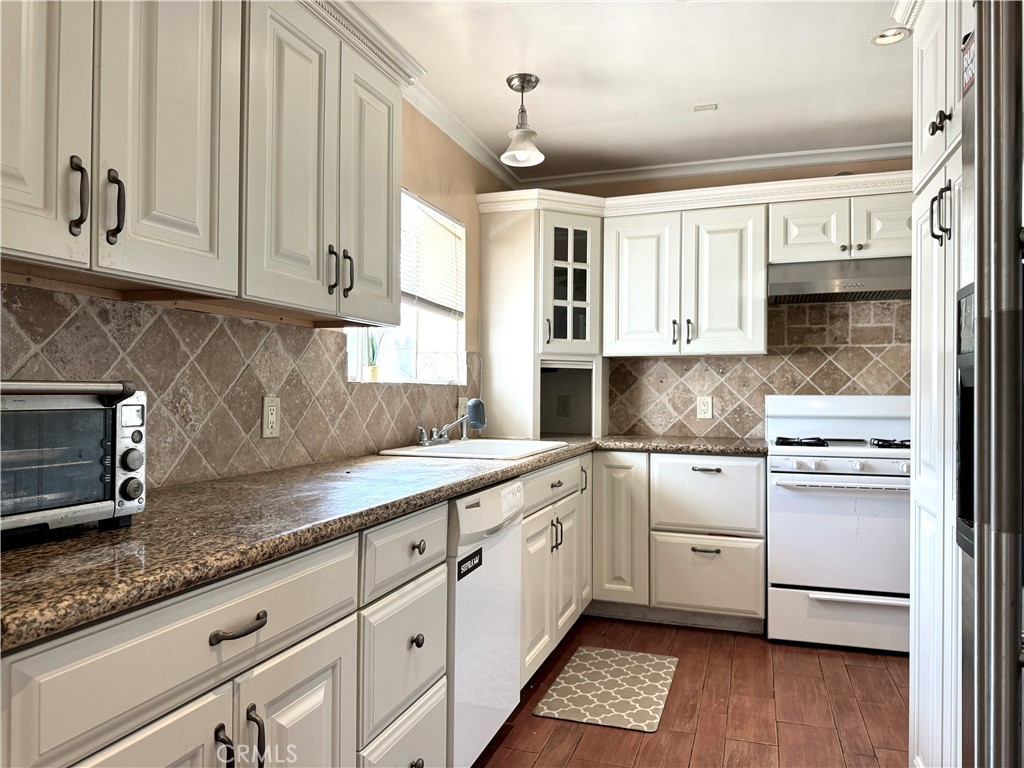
(736, 700)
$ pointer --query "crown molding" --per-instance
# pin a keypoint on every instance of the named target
(730, 165)
(766, 192)
(432, 108)
(906, 12)
(540, 199)
(364, 32)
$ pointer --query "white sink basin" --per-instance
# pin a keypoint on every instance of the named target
(479, 449)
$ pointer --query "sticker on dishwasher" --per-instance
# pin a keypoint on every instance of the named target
(470, 563)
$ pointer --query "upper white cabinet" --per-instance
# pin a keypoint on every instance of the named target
(46, 130)
(865, 227)
(686, 284)
(570, 259)
(168, 118)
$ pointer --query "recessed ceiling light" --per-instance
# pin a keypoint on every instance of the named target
(705, 107)
(890, 35)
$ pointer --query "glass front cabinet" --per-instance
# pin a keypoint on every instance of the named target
(570, 267)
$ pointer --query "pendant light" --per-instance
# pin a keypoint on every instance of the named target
(522, 152)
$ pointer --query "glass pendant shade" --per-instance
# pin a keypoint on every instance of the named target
(522, 152)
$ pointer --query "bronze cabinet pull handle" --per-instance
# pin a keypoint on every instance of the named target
(114, 178)
(256, 624)
(261, 734)
(704, 551)
(75, 226)
(220, 735)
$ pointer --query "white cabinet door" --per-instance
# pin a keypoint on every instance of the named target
(370, 146)
(418, 737)
(169, 110)
(304, 702)
(620, 527)
(586, 578)
(538, 632)
(46, 120)
(570, 269)
(810, 230)
(881, 225)
(183, 738)
(565, 586)
(724, 281)
(292, 161)
(930, 56)
(708, 494)
(641, 285)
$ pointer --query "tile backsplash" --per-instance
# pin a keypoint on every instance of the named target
(205, 376)
(852, 348)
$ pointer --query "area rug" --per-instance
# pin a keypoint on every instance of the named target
(621, 689)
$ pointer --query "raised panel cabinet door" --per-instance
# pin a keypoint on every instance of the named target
(882, 225)
(809, 230)
(538, 632)
(167, 170)
(586, 578)
(370, 147)
(641, 285)
(304, 702)
(926, 637)
(930, 58)
(185, 738)
(570, 272)
(292, 163)
(46, 120)
(621, 524)
(567, 565)
(725, 286)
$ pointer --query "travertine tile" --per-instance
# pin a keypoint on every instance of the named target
(221, 360)
(219, 439)
(39, 313)
(159, 357)
(193, 328)
(81, 348)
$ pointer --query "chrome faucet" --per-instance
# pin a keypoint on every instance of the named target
(474, 417)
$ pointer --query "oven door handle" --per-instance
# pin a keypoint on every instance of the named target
(835, 597)
(841, 486)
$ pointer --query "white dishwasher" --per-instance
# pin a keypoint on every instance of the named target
(484, 583)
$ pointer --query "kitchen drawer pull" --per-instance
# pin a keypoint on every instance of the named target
(420, 546)
(675, 332)
(114, 178)
(220, 735)
(418, 640)
(689, 331)
(351, 274)
(261, 734)
(332, 251)
(256, 624)
(417, 763)
(557, 484)
(834, 597)
(706, 551)
(716, 470)
(75, 227)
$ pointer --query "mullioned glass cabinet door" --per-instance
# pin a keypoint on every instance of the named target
(570, 319)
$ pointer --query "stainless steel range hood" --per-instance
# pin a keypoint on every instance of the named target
(846, 280)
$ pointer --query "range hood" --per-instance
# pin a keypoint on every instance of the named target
(846, 280)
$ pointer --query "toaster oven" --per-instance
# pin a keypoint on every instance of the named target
(71, 452)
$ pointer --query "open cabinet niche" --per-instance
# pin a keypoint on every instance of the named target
(566, 401)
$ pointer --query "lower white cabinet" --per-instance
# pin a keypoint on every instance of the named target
(709, 574)
(586, 526)
(415, 738)
(708, 494)
(621, 527)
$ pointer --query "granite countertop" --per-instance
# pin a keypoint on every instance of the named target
(194, 534)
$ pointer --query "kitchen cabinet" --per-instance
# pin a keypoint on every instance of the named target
(415, 738)
(586, 514)
(708, 494)
(158, 202)
(868, 227)
(322, 188)
(570, 260)
(686, 284)
(621, 525)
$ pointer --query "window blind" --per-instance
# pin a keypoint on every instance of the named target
(433, 257)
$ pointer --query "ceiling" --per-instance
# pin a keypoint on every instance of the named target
(618, 80)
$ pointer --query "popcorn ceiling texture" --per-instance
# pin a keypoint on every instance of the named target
(205, 376)
(856, 348)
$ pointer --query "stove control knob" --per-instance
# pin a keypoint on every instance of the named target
(857, 465)
(797, 464)
(903, 466)
(812, 463)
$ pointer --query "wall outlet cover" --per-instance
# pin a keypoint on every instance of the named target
(271, 416)
(463, 405)
(704, 408)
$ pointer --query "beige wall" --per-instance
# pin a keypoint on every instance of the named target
(438, 170)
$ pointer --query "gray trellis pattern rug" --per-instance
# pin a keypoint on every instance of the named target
(621, 689)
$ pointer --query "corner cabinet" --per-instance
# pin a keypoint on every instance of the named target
(322, 191)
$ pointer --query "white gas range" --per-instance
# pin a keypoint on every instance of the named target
(839, 519)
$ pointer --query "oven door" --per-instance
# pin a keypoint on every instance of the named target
(841, 532)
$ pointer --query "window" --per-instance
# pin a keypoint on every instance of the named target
(430, 344)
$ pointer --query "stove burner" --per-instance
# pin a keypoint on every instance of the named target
(811, 442)
(877, 442)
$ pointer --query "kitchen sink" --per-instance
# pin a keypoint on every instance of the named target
(483, 448)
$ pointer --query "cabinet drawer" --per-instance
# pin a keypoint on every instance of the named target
(419, 734)
(547, 486)
(711, 574)
(154, 659)
(707, 494)
(391, 552)
(835, 618)
(393, 670)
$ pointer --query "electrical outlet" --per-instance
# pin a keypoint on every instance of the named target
(463, 405)
(704, 408)
(271, 416)
(563, 406)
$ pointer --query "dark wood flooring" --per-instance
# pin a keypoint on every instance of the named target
(736, 700)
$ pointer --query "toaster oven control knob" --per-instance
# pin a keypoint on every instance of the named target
(132, 459)
(857, 465)
(132, 488)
